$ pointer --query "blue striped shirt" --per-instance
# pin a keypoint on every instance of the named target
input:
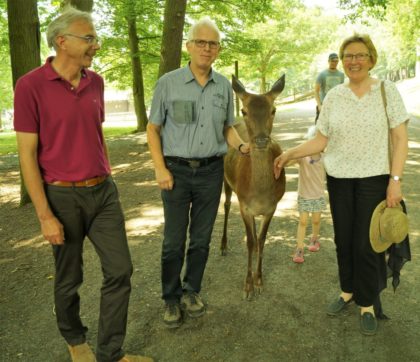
(192, 117)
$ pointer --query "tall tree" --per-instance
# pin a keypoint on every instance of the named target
(83, 5)
(173, 27)
(138, 88)
(6, 93)
(24, 43)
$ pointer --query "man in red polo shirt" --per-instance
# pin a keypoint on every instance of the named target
(59, 110)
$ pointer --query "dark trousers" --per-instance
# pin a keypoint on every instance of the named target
(193, 201)
(94, 212)
(352, 201)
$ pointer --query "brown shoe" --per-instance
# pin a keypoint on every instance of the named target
(194, 305)
(172, 317)
(137, 358)
(81, 353)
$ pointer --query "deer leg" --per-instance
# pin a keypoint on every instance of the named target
(249, 222)
(228, 196)
(258, 282)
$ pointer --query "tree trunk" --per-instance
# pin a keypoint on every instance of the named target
(138, 88)
(173, 26)
(83, 5)
(24, 41)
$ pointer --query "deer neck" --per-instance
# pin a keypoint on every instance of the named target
(262, 177)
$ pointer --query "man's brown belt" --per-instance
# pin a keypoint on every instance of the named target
(84, 183)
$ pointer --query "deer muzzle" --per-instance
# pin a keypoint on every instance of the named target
(261, 142)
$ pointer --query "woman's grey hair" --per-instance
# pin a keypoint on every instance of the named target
(360, 38)
(60, 24)
(205, 22)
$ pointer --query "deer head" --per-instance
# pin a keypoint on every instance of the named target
(258, 111)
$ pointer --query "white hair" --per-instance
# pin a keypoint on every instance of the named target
(204, 22)
(62, 23)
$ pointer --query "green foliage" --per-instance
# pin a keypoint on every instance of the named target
(6, 93)
(112, 132)
(358, 9)
(8, 143)
(286, 42)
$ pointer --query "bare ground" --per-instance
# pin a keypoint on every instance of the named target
(287, 322)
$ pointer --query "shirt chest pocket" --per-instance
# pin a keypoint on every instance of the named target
(219, 110)
(183, 111)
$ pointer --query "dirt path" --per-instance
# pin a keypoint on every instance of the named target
(286, 323)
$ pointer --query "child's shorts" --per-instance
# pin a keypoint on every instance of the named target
(308, 205)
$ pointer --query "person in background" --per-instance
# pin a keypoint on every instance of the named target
(327, 80)
(189, 127)
(360, 173)
(59, 110)
(311, 199)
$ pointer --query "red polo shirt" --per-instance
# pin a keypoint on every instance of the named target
(68, 122)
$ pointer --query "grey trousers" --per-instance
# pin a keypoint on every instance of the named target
(94, 212)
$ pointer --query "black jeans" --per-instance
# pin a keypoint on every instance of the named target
(94, 212)
(193, 201)
(352, 201)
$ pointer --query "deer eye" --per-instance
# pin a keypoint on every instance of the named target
(273, 111)
(243, 112)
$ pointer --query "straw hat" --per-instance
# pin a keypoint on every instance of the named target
(388, 225)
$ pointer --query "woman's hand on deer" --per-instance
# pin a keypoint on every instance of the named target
(164, 179)
(279, 162)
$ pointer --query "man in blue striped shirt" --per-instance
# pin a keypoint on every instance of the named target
(189, 128)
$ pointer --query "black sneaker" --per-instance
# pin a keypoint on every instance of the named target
(368, 324)
(337, 306)
(172, 317)
(193, 304)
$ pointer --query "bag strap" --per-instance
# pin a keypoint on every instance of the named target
(389, 125)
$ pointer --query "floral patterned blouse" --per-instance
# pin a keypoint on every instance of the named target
(357, 130)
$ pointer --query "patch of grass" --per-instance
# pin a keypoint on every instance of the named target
(8, 139)
(118, 131)
(7, 143)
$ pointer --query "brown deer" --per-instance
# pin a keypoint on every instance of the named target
(251, 176)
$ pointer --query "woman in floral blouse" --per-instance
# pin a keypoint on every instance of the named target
(353, 131)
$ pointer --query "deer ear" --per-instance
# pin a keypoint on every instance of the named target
(277, 87)
(238, 87)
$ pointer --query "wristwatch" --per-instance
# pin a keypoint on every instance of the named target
(395, 178)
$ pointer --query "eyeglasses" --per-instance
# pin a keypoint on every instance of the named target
(200, 43)
(90, 39)
(358, 56)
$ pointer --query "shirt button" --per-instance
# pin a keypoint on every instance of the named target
(202, 107)
(201, 143)
(202, 126)
(72, 88)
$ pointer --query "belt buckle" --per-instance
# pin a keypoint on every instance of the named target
(90, 182)
(194, 163)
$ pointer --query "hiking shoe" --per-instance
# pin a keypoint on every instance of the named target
(337, 306)
(172, 317)
(298, 257)
(314, 245)
(135, 358)
(193, 304)
(81, 353)
(368, 324)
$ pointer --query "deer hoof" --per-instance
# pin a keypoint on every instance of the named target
(248, 295)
